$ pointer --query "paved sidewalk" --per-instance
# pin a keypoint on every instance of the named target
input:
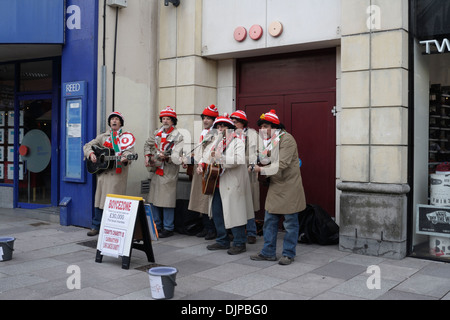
(45, 251)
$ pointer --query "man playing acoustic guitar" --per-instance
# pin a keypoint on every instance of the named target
(198, 201)
(114, 180)
(162, 151)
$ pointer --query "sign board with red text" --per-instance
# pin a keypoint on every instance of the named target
(123, 223)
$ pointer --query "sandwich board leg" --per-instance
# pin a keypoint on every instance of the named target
(98, 257)
(126, 262)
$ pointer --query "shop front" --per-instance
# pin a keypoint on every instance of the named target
(29, 118)
(430, 56)
(40, 52)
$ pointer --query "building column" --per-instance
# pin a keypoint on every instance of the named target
(373, 130)
(187, 81)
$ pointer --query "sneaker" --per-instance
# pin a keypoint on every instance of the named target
(284, 261)
(217, 246)
(251, 240)
(165, 234)
(210, 235)
(237, 249)
(92, 232)
(260, 257)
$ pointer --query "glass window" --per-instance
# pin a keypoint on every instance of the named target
(6, 118)
(431, 233)
(36, 76)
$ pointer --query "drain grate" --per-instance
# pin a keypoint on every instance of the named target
(90, 243)
(38, 224)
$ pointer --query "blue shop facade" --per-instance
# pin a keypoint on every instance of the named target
(48, 105)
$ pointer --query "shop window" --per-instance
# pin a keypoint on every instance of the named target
(431, 233)
(36, 76)
(6, 120)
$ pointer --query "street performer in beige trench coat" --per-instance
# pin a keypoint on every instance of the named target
(231, 203)
(163, 152)
(198, 201)
(251, 140)
(112, 181)
(286, 195)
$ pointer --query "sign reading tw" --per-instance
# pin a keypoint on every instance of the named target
(445, 44)
(76, 88)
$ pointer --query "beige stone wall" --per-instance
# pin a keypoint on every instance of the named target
(135, 88)
(374, 91)
(187, 81)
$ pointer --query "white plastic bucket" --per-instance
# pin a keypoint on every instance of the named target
(162, 282)
(440, 190)
(6, 248)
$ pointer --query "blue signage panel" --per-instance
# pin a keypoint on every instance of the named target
(32, 21)
(74, 100)
(78, 108)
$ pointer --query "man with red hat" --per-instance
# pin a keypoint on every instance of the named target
(231, 203)
(114, 180)
(250, 138)
(286, 196)
(198, 201)
(162, 151)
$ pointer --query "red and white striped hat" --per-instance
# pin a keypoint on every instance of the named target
(239, 114)
(116, 114)
(168, 112)
(271, 117)
(211, 111)
(224, 119)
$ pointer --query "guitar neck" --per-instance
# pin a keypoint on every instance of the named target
(112, 158)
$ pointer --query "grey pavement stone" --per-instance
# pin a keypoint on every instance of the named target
(402, 295)
(248, 285)
(17, 281)
(362, 260)
(191, 284)
(88, 293)
(288, 272)
(276, 294)
(30, 266)
(330, 295)
(340, 270)
(309, 284)
(212, 294)
(193, 266)
(437, 269)
(357, 287)
(43, 252)
(226, 272)
(426, 285)
(317, 258)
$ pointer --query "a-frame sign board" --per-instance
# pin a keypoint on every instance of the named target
(124, 224)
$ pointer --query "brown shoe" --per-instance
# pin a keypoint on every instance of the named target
(92, 232)
(236, 250)
(217, 246)
(251, 240)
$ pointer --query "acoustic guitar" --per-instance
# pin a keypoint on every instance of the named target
(210, 177)
(106, 158)
(154, 161)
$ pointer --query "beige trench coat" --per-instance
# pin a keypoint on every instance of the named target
(198, 201)
(234, 185)
(252, 142)
(286, 194)
(108, 182)
(163, 189)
